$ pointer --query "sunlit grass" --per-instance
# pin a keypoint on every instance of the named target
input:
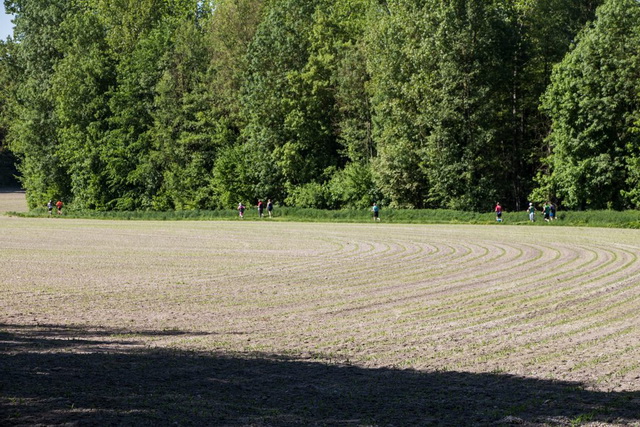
(604, 218)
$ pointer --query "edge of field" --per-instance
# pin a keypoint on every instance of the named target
(601, 218)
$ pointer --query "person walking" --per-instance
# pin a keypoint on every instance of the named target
(260, 208)
(498, 212)
(241, 210)
(59, 205)
(376, 212)
(547, 211)
(552, 211)
(269, 207)
(50, 207)
(532, 212)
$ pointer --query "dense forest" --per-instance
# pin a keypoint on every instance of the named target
(185, 104)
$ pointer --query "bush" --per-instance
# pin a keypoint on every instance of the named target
(311, 195)
(353, 187)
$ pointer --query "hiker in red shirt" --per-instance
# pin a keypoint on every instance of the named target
(498, 212)
(59, 205)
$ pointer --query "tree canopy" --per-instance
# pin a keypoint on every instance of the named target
(185, 104)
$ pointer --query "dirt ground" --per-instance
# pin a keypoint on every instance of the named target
(263, 323)
(12, 201)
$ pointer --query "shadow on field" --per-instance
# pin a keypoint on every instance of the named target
(52, 375)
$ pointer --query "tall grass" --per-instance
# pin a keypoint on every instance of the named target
(605, 218)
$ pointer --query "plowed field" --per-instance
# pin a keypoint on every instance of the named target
(265, 323)
(13, 201)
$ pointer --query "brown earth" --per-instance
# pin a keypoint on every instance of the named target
(12, 201)
(267, 323)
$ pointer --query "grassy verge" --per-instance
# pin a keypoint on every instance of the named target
(605, 218)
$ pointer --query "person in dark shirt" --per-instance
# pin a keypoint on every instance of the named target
(547, 211)
(260, 208)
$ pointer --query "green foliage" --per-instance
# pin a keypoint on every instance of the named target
(455, 88)
(633, 181)
(8, 79)
(337, 64)
(33, 131)
(353, 187)
(593, 101)
(310, 195)
(232, 178)
(399, 76)
(190, 105)
(468, 92)
(228, 35)
(287, 103)
(81, 82)
(184, 138)
(547, 29)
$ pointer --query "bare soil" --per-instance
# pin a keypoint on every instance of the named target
(12, 200)
(264, 323)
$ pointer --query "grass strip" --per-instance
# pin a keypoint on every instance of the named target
(603, 218)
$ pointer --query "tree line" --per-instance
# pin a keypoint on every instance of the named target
(185, 104)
